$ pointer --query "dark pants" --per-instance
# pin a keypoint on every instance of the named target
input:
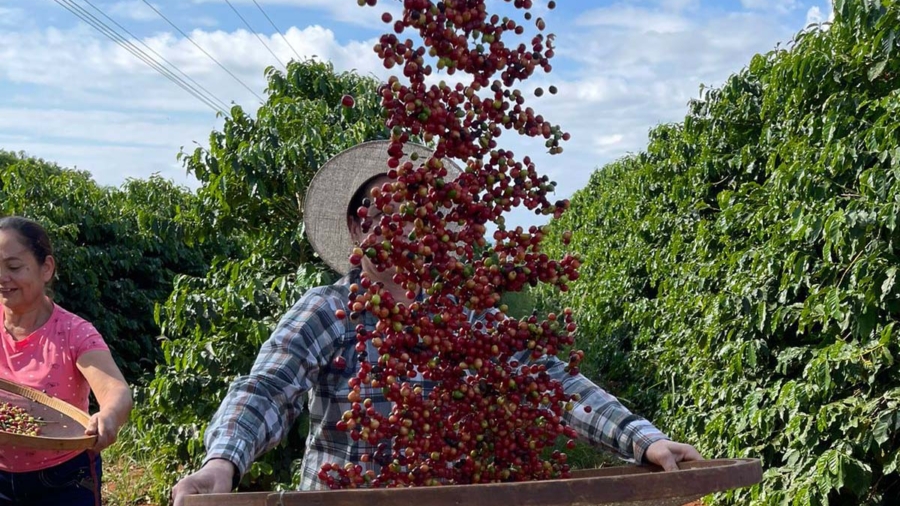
(75, 482)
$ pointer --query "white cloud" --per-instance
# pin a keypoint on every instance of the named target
(620, 71)
(112, 127)
(84, 67)
(135, 10)
(11, 16)
(634, 18)
(92, 104)
(118, 162)
(344, 11)
(678, 5)
(204, 21)
(782, 6)
(815, 14)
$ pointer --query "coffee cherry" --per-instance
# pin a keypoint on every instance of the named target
(347, 101)
(488, 418)
(17, 420)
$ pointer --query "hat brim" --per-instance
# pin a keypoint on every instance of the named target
(330, 191)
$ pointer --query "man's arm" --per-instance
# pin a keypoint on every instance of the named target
(605, 422)
(261, 407)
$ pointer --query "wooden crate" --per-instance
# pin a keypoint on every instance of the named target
(619, 486)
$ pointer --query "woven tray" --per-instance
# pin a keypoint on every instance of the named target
(611, 486)
(64, 430)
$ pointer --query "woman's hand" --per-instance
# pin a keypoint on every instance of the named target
(113, 395)
(667, 454)
(105, 427)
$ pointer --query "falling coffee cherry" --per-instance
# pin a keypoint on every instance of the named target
(552, 90)
(428, 228)
(539, 92)
(347, 101)
(339, 363)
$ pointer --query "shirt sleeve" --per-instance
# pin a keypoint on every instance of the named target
(84, 337)
(609, 424)
(260, 408)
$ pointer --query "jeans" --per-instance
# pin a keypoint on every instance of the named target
(75, 482)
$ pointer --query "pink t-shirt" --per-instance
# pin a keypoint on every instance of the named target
(45, 360)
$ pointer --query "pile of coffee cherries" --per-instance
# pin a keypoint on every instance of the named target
(489, 417)
(17, 420)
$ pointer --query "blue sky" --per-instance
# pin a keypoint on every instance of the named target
(70, 95)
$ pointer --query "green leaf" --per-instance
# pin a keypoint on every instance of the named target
(884, 427)
(876, 69)
(888, 283)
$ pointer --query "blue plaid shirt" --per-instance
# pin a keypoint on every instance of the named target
(298, 358)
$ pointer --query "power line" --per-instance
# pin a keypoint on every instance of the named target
(255, 33)
(223, 105)
(277, 30)
(101, 27)
(204, 52)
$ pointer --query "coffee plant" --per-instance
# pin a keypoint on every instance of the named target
(117, 250)
(740, 274)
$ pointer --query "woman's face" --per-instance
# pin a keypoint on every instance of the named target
(22, 278)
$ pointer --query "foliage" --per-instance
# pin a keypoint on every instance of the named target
(743, 270)
(253, 174)
(126, 479)
(117, 249)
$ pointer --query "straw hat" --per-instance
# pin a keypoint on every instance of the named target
(330, 191)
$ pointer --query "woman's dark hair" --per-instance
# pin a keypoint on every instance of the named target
(33, 235)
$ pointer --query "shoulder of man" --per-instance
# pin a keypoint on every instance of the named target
(322, 301)
(340, 289)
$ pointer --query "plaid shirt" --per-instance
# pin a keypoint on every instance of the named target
(298, 358)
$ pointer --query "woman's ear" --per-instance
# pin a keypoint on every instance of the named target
(48, 269)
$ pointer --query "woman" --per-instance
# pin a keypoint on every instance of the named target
(45, 347)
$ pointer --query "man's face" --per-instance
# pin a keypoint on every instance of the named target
(374, 215)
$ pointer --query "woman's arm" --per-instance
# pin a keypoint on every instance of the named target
(112, 393)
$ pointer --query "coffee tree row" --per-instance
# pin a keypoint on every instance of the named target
(117, 249)
(740, 275)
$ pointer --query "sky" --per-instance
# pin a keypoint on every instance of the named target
(70, 95)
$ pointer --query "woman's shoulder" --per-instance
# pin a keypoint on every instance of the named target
(69, 320)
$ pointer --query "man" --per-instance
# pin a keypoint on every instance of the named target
(303, 353)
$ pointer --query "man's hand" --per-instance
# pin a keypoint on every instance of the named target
(213, 478)
(667, 454)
